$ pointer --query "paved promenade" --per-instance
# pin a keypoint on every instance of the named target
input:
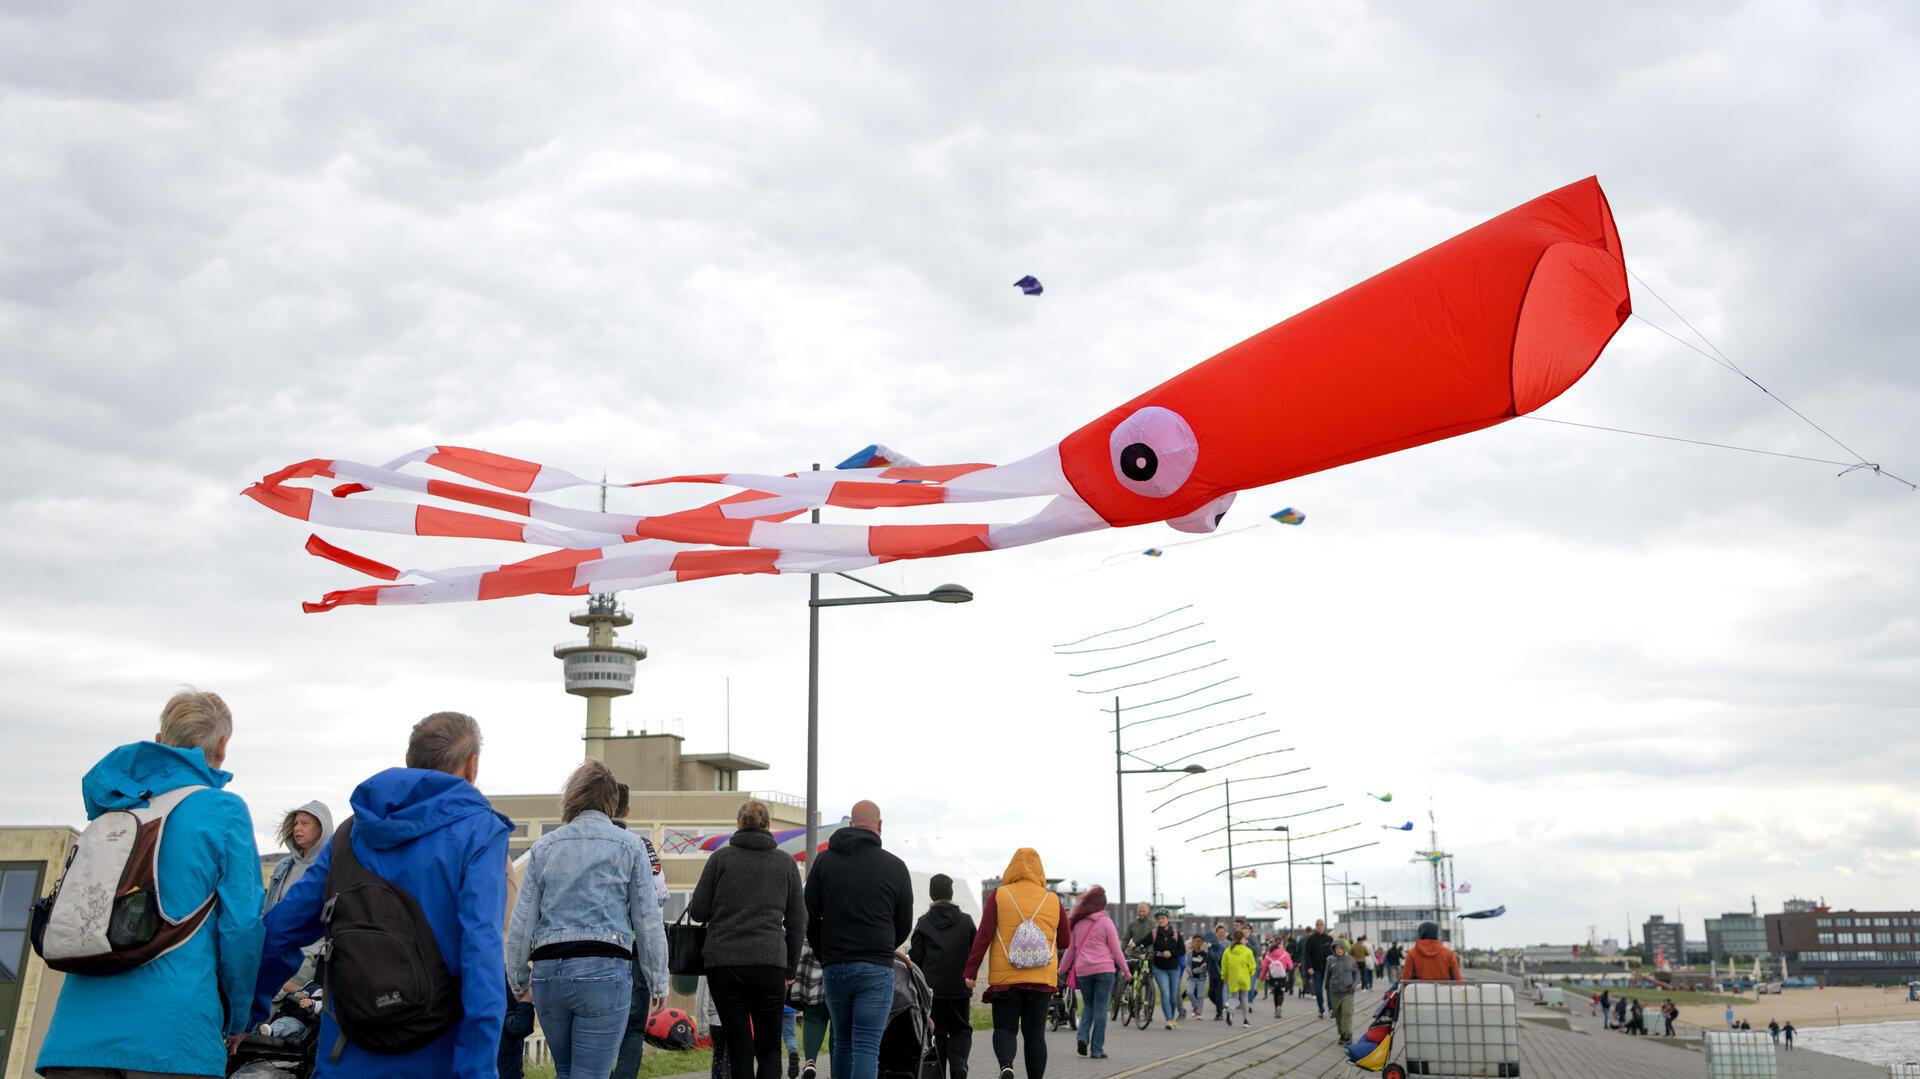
(1553, 1045)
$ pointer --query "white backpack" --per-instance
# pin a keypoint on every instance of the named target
(1030, 947)
(104, 916)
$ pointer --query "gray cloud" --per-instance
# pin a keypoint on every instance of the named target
(679, 239)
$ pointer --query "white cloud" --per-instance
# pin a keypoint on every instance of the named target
(1635, 675)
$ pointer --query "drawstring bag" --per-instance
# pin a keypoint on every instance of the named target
(1029, 949)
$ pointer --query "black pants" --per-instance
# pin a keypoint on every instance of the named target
(1217, 992)
(1022, 1012)
(750, 1001)
(953, 1034)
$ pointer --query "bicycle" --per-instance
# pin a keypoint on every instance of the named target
(1134, 1001)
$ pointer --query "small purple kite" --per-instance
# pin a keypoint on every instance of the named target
(1029, 285)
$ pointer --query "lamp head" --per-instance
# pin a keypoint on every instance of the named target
(950, 593)
(1194, 769)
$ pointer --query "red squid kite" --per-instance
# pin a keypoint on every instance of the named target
(1488, 325)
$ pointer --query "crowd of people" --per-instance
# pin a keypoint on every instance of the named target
(406, 945)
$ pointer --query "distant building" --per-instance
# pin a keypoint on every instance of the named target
(1738, 936)
(31, 860)
(675, 794)
(1389, 924)
(1664, 940)
(1848, 947)
(1797, 905)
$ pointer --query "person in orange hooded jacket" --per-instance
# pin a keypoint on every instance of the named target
(1429, 960)
(1019, 994)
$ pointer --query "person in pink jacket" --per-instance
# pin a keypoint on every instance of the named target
(1276, 968)
(1093, 963)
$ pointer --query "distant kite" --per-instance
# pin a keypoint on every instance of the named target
(1407, 827)
(1383, 797)
(1463, 889)
(1489, 325)
(1289, 516)
(1272, 904)
(1494, 913)
(1029, 285)
(1153, 552)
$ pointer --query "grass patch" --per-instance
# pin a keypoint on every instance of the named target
(657, 1063)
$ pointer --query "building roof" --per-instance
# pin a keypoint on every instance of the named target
(727, 760)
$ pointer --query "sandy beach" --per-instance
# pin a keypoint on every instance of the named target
(1811, 1007)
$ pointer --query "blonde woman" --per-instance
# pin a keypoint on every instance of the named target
(585, 914)
(756, 916)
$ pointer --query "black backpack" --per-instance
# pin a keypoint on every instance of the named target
(387, 987)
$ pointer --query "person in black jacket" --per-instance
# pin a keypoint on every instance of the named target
(939, 949)
(1316, 951)
(859, 909)
(749, 898)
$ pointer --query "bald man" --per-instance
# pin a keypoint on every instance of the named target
(859, 910)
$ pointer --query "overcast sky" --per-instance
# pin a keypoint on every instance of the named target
(1634, 676)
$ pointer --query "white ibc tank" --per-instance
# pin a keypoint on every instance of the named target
(1460, 1029)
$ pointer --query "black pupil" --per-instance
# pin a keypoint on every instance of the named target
(1138, 462)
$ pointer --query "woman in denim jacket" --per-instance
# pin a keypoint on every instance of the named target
(586, 912)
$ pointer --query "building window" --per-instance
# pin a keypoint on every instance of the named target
(18, 889)
(1903, 938)
(1823, 922)
(1823, 938)
(1882, 921)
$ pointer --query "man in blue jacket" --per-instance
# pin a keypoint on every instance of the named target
(165, 1016)
(425, 829)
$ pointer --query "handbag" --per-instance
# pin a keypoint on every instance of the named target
(686, 945)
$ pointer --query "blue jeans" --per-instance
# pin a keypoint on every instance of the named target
(633, 1045)
(583, 1005)
(1168, 982)
(859, 999)
(1320, 990)
(1098, 991)
(1197, 989)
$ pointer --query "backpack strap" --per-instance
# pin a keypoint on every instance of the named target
(157, 809)
(342, 867)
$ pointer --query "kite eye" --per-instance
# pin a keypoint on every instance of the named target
(1154, 452)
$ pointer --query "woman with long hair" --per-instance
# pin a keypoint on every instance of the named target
(586, 911)
(1094, 962)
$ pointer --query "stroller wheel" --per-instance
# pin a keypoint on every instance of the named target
(1394, 1071)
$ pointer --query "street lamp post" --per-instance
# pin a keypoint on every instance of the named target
(1120, 797)
(1293, 914)
(946, 593)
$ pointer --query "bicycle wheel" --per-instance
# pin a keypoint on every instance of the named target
(1144, 1007)
(1073, 1011)
(1118, 1005)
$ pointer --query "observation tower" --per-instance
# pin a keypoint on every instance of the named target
(600, 668)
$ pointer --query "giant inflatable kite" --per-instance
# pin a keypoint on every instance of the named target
(1488, 325)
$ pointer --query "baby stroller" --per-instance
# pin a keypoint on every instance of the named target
(1372, 1048)
(906, 1046)
(285, 1046)
(1064, 1009)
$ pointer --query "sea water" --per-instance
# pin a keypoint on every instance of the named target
(1871, 1043)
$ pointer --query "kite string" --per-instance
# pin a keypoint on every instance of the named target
(1724, 360)
(1844, 465)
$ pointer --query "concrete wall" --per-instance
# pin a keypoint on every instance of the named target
(39, 987)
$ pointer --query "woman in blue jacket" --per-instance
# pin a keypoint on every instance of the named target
(585, 915)
(166, 1015)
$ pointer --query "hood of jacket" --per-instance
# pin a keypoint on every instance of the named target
(752, 839)
(126, 777)
(943, 915)
(318, 811)
(1024, 868)
(399, 805)
(851, 840)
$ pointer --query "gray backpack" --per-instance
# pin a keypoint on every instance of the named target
(105, 916)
